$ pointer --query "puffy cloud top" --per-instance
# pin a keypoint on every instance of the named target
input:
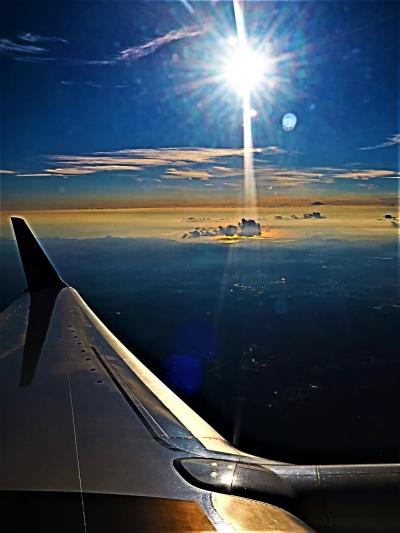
(245, 228)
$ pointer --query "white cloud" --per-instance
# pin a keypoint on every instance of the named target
(9, 46)
(390, 141)
(173, 173)
(365, 174)
(32, 38)
(136, 52)
(132, 53)
(245, 228)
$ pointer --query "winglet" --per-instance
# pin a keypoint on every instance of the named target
(39, 272)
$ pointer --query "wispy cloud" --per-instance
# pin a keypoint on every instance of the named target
(92, 62)
(99, 160)
(170, 163)
(224, 170)
(120, 85)
(365, 174)
(178, 156)
(390, 141)
(203, 165)
(233, 184)
(133, 53)
(32, 175)
(33, 38)
(273, 150)
(88, 169)
(188, 6)
(9, 46)
(32, 52)
(166, 159)
(174, 173)
(136, 52)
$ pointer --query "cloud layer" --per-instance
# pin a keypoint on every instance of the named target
(166, 159)
(218, 167)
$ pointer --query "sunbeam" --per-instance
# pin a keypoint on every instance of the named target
(248, 67)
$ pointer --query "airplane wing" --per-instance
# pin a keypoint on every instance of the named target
(91, 440)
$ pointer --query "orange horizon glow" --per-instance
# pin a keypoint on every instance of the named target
(279, 223)
(199, 202)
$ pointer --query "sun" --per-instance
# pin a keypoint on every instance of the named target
(244, 69)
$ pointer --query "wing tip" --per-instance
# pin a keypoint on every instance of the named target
(39, 271)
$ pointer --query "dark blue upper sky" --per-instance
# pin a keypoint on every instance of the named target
(82, 77)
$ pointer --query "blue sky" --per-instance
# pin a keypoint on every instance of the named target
(83, 78)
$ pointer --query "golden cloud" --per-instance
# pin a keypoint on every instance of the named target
(202, 164)
(173, 173)
(366, 174)
(87, 169)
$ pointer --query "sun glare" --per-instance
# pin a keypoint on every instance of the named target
(244, 70)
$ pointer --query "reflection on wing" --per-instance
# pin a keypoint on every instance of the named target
(248, 515)
(40, 311)
(103, 512)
